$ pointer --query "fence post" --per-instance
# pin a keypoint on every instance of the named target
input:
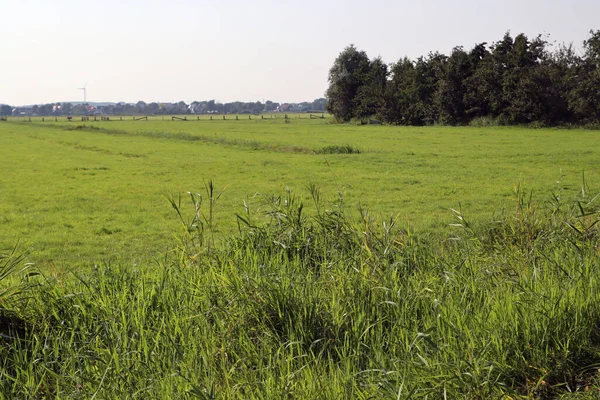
(223, 118)
(211, 117)
(236, 118)
(42, 119)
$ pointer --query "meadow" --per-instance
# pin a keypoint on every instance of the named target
(80, 193)
(437, 262)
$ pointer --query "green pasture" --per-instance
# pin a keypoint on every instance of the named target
(136, 295)
(78, 193)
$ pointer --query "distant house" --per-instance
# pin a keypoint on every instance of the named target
(285, 107)
(196, 108)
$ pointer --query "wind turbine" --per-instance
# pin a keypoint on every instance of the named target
(84, 93)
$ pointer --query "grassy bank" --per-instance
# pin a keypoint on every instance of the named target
(323, 304)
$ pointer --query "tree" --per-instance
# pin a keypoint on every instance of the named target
(410, 92)
(44, 109)
(401, 106)
(522, 81)
(5, 110)
(370, 97)
(584, 98)
(481, 91)
(318, 104)
(561, 68)
(140, 107)
(153, 108)
(179, 108)
(427, 74)
(591, 48)
(514, 81)
(449, 99)
(269, 106)
(79, 109)
(257, 107)
(346, 77)
(66, 108)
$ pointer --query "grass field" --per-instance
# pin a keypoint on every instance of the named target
(78, 195)
(304, 294)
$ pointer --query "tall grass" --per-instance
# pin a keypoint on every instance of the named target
(486, 121)
(339, 149)
(326, 304)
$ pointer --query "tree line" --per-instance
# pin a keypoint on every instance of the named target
(154, 108)
(516, 80)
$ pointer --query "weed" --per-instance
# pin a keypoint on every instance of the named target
(337, 149)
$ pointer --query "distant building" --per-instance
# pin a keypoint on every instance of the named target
(283, 107)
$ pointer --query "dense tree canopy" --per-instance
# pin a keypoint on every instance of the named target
(348, 75)
(516, 80)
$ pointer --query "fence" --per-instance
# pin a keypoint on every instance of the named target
(202, 117)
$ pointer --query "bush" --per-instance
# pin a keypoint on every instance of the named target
(336, 149)
(484, 121)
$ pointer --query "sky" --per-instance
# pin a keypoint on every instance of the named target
(230, 50)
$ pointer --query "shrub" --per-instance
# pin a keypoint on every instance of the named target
(337, 149)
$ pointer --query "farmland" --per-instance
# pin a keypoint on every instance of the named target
(283, 275)
(85, 192)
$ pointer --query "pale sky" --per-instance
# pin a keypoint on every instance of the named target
(242, 50)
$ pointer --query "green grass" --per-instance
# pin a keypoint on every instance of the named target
(323, 305)
(281, 274)
(78, 195)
